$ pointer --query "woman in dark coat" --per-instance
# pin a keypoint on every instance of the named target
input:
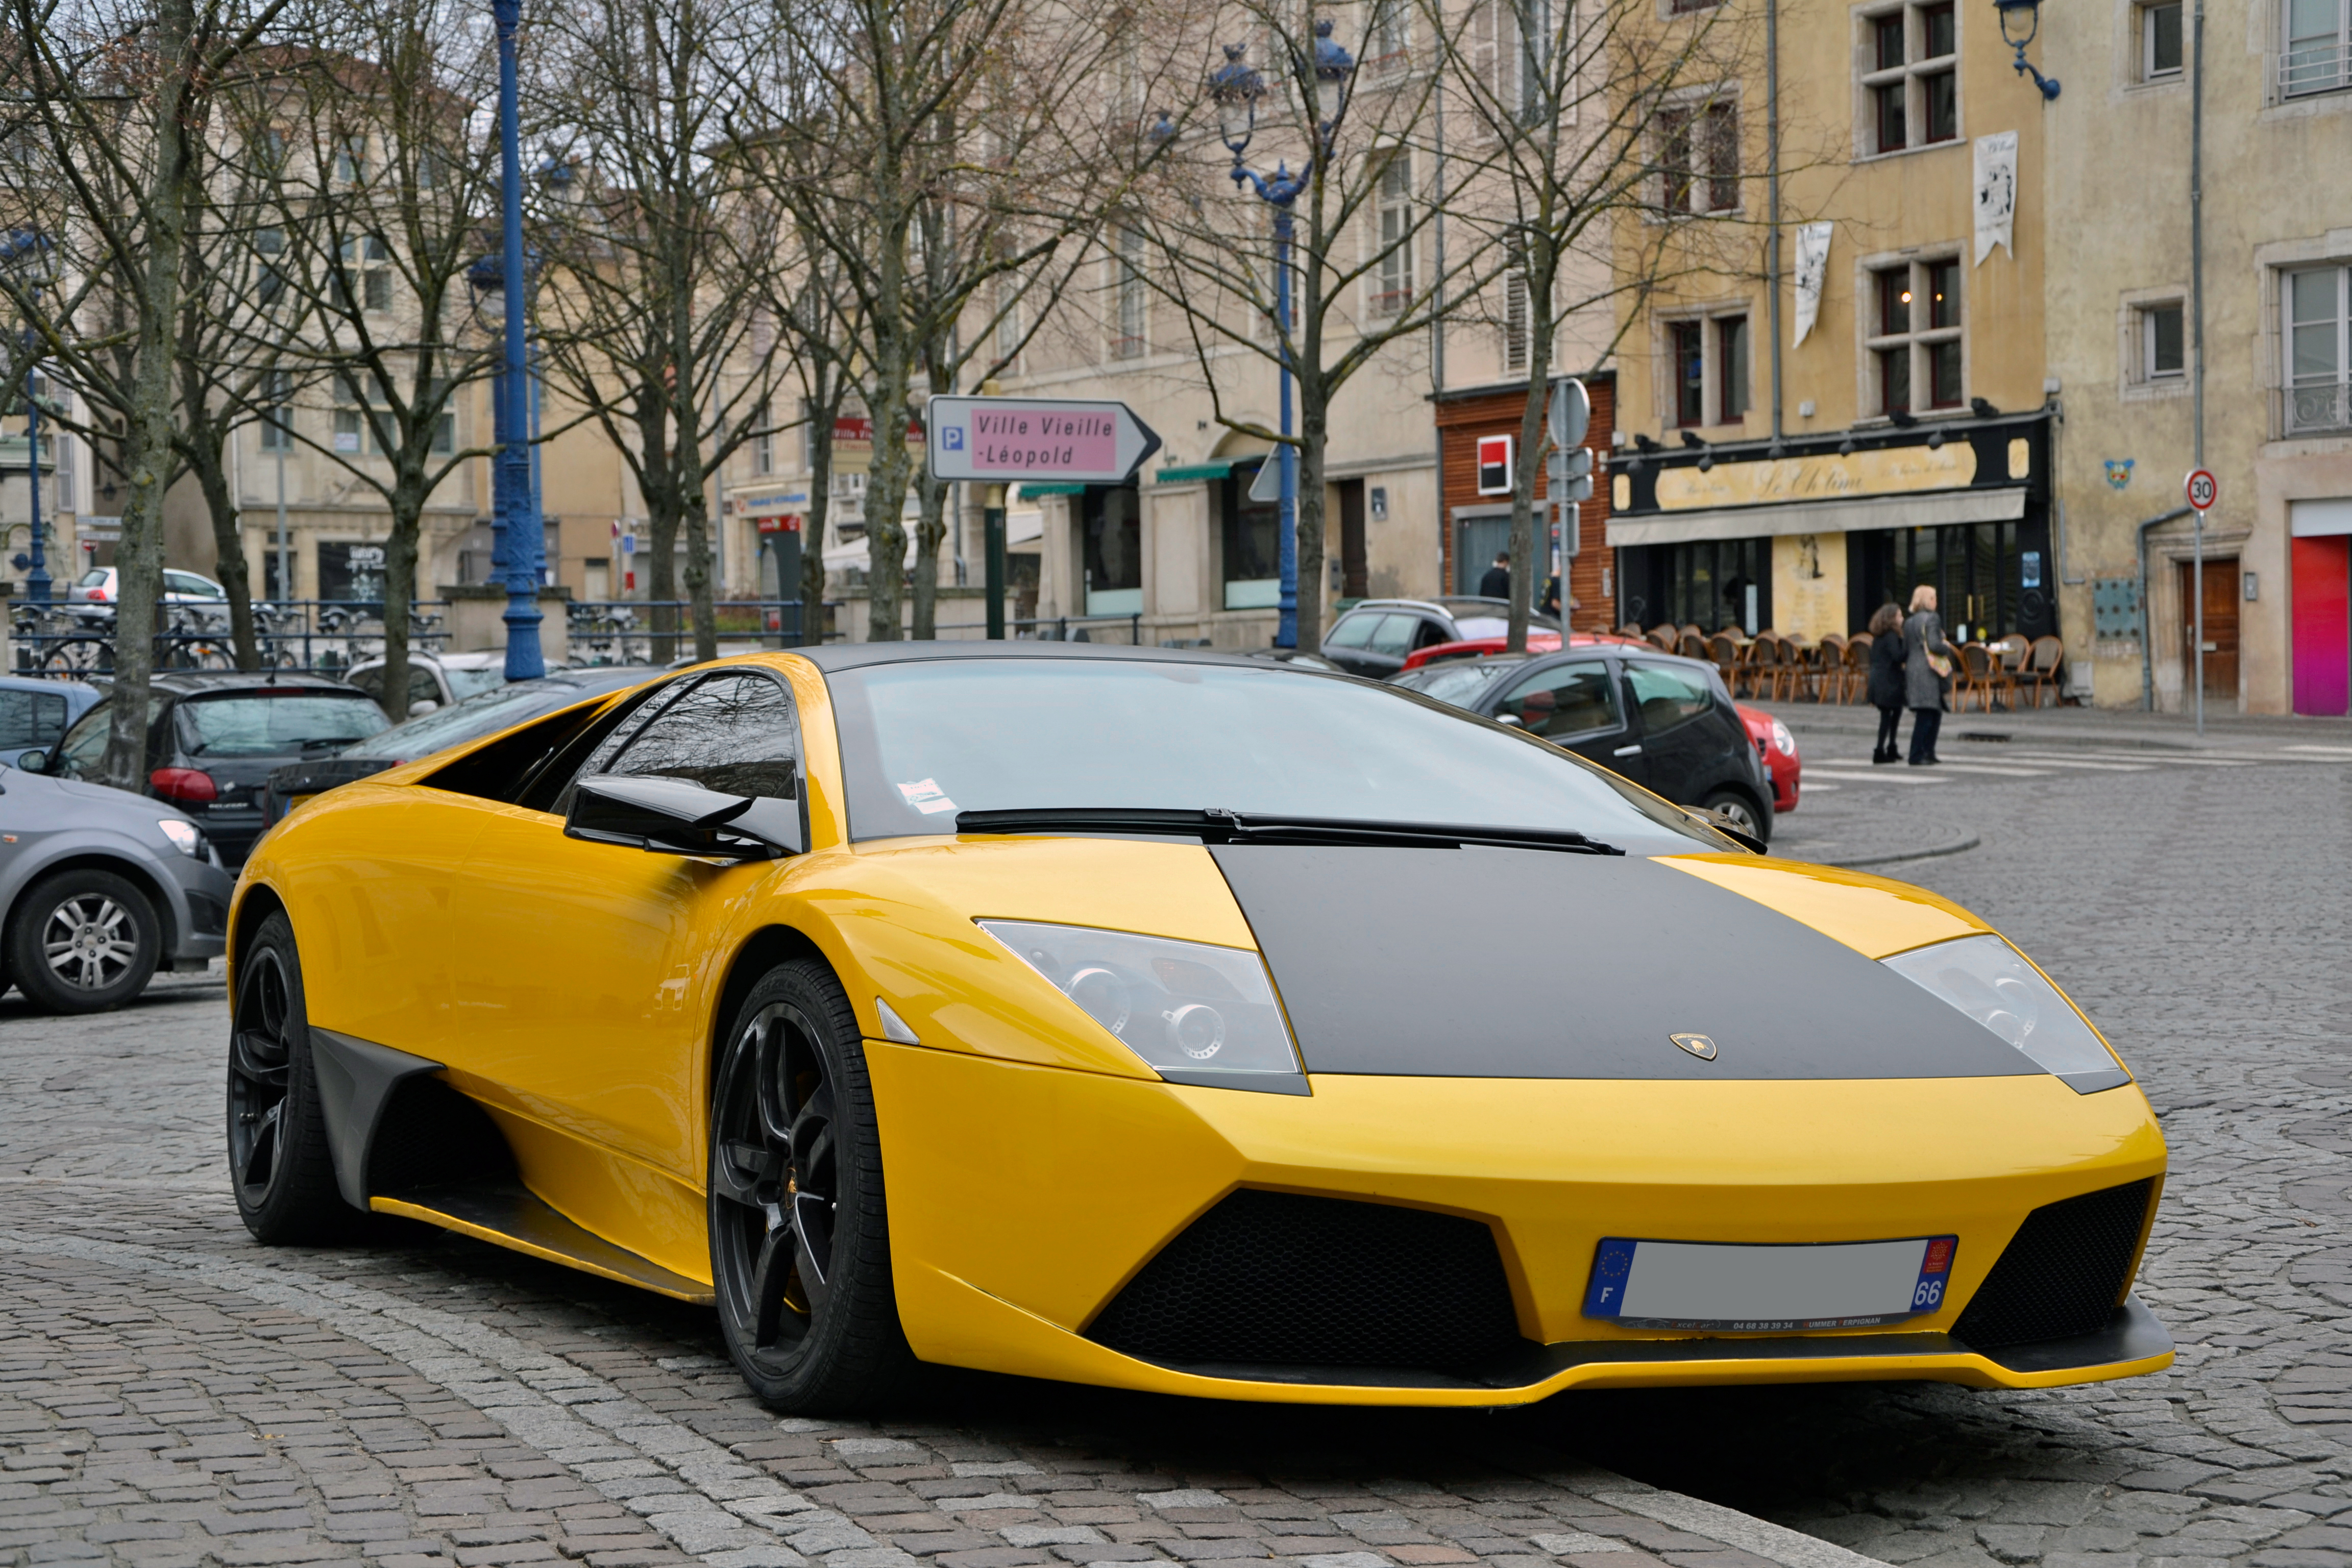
(1886, 680)
(1923, 688)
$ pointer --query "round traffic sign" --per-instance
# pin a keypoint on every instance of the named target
(2202, 488)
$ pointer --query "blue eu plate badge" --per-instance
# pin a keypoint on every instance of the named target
(1768, 1289)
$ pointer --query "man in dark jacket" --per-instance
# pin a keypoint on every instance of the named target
(1886, 680)
(1496, 582)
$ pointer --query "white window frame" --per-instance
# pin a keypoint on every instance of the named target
(277, 423)
(1696, 106)
(1131, 324)
(2145, 315)
(1911, 75)
(2144, 18)
(1920, 340)
(1388, 286)
(2324, 63)
(2317, 404)
(1709, 321)
(1388, 40)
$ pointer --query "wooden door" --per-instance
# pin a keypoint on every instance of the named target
(2221, 626)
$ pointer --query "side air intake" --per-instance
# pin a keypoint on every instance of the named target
(2062, 1273)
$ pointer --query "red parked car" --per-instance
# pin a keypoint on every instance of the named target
(1771, 738)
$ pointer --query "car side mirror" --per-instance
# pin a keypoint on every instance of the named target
(671, 817)
(1510, 719)
(33, 761)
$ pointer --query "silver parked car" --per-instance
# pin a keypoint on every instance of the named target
(99, 887)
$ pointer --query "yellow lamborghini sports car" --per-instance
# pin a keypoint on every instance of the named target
(1179, 1023)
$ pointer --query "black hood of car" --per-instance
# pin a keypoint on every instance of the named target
(1526, 963)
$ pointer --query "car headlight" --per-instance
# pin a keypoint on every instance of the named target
(1986, 978)
(185, 837)
(1783, 742)
(1183, 1006)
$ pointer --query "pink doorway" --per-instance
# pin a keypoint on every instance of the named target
(2323, 625)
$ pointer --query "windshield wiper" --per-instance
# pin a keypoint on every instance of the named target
(1216, 826)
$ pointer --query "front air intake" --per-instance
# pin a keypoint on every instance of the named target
(1279, 1278)
(2062, 1273)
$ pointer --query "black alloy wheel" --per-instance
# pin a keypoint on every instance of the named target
(278, 1160)
(83, 939)
(799, 1249)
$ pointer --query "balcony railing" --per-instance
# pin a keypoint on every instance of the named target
(2315, 68)
(2315, 407)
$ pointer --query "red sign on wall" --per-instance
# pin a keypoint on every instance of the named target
(1494, 465)
(784, 524)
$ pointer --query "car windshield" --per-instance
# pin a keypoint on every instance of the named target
(923, 740)
(1459, 682)
(487, 714)
(294, 723)
(95, 577)
(465, 683)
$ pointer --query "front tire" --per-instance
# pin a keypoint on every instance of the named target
(83, 941)
(1740, 811)
(280, 1164)
(800, 1242)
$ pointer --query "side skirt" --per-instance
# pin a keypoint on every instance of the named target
(509, 1215)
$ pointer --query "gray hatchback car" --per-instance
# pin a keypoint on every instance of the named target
(99, 887)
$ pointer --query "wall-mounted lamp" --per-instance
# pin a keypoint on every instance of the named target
(2020, 21)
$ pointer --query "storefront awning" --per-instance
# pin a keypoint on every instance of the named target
(1031, 491)
(1931, 509)
(1193, 473)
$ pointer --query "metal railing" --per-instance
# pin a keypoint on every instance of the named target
(2314, 66)
(2315, 407)
(325, 637)
(1059, 628)
(649, 631)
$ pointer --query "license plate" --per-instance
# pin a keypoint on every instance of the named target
(1768, 1288)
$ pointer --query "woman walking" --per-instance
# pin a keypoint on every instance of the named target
(1928, 662)
(1886, 691)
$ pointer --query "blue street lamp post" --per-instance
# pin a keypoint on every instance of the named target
(19, 245)
(517, 541)
(1235, 87)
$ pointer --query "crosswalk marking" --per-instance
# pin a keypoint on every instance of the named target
(2041, 760)
(2327, 751)
(1910, 776)
(1995, 771)
(2033, 763)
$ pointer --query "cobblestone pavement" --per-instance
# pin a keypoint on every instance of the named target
(172, 1396)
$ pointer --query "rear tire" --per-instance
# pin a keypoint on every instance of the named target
(280, 1167)
(800, 1239)
(83, 941)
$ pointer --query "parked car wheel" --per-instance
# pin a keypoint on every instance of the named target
(800, 1245)
(280, 1164)
(83, 939)
(1741, 813)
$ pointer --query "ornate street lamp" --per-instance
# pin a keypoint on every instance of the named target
(1235, 88)
(516, 539)
(2020, 20)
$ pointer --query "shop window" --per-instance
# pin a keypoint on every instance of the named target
(1114, 543)
(351, 572)
(1722, 585)
(1251, 536)
(2160, 41)
(2319, 328)
(2163, 347)
(1914, 343)
(1910, 87)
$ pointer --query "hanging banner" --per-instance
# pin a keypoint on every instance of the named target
(1813, 271)
(1996, 192)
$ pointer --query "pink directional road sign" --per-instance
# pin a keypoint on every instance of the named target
(1036, 438)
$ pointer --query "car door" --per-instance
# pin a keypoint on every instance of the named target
(584, 970)
(1682, 751)
(1574, 703)
(1346, 644)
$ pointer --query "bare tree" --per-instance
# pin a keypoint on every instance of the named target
(1354, 192)
(1600, 154)
(655, 313)
(819, 318)
(121, 97)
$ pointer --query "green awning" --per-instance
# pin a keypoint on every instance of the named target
(1192, 472)
(1031, 491)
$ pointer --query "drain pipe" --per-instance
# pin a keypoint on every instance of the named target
(2147, 622)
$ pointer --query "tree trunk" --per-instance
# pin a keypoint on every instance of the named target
(660, 488)
(1534, 430)
(139, 559)
(399, 595)
(229, 551)
(885, 503)
(1314, 424)
(820, 508)
(698, 567)
(930, 528)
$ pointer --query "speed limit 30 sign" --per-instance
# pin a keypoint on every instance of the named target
(2202, 488)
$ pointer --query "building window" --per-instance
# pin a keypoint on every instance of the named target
(2160, 41)
(2318, 305)
(764, 450)
(369, 260)
(1008, 318)
(1709, 375)
(1252, 543)
(1731, 369)
(1911, 85)
(1915, 336)
(350, 160)
(1128, 338)
(1698, 157)
(1518, 323)
(2163, 352)
(2318, 57)
(1114, 545)
(1393, 292)
(277, 413)
(1388, 42)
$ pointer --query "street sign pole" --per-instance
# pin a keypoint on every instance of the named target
(2202, 490)
(992, 525)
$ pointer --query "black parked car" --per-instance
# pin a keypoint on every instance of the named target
(213, 737)
(500, 708)
(1374, 637)
(1667, 723)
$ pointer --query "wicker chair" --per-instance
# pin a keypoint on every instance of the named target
(2048, 656)
(1664, 638)
(1723, 652)
(1853, 677)
(1764, 672)
(1691, 645)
